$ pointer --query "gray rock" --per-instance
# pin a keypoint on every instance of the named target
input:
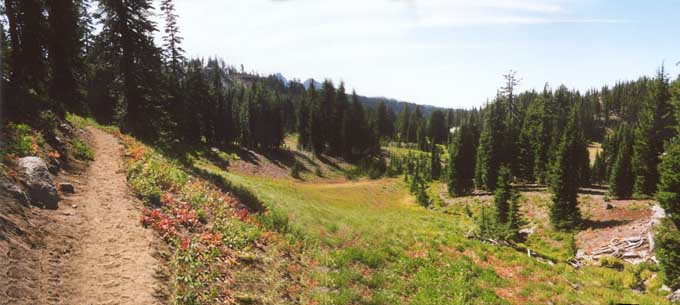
(54, 166)
(609, 206)
(15, 191)
(675, 296)
(40, 182)
(67, 188)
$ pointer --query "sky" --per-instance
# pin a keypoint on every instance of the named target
(448, 53)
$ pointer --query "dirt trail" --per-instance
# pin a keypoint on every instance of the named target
(111, 257)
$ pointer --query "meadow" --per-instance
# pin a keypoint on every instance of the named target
(367, 242)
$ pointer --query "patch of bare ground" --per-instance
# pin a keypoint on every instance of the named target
(615, 220)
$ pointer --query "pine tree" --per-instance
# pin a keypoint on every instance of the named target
(127, 31)
(490, 150)
(327, 117)
(382, 121)
(564, 212)
(655, 127)
(462, 155)
(503, 195)
(28, 69)
(598, 170)
(422, 137)
(438, 131)
(414, 125)
(667, 235)
(303, 123)
(315, 128)
(621, 180)
(404, 121)
(65, 49)
(173, 54)
(436, 166)
(341, 110)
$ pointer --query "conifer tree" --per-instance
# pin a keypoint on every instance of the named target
(65, 49)
(490, 150)
(503, 195)
(598, 170)
(414, 125)
(422, 137)
(654, 128)
(404, 121)
(173, 53)
(435, 163)
(462, 155)
(303, 116)
(341, 110)
(438, 131)
(564, 212)
(621, 180)
(667, 235)
(315, 126)
(382, 121)
(127, 31)
(28, 67)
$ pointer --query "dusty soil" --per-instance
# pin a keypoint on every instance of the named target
(627, 218)
(91, 250)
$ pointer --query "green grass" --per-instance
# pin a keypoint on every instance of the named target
(81, 150)
(371, 244)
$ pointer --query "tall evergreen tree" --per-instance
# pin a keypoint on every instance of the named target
(127, 31)
(303, 116)
(404, 123)
(490, 150)
(435, 163)
(621, 179)
(462, 157)
(414, 125)
(667, 236)
(564, 212)
(382, 121)
(316, 128)
(28, 63)
(65, 45)
(173, 53)
(438, 131)
(503, 195)
(654, 128)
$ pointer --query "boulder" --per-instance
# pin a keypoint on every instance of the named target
(675, 296)
(14, 190)
(40, 182)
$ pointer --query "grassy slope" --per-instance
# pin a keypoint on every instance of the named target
(371, 244)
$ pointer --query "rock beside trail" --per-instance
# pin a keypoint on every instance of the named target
(40, 182)
(14, 190)
(675, 296)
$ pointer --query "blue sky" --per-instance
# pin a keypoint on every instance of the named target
(446, 53)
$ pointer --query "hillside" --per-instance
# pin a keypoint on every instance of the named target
(370, 102)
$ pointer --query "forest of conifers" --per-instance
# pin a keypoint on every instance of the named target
(99, 59)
